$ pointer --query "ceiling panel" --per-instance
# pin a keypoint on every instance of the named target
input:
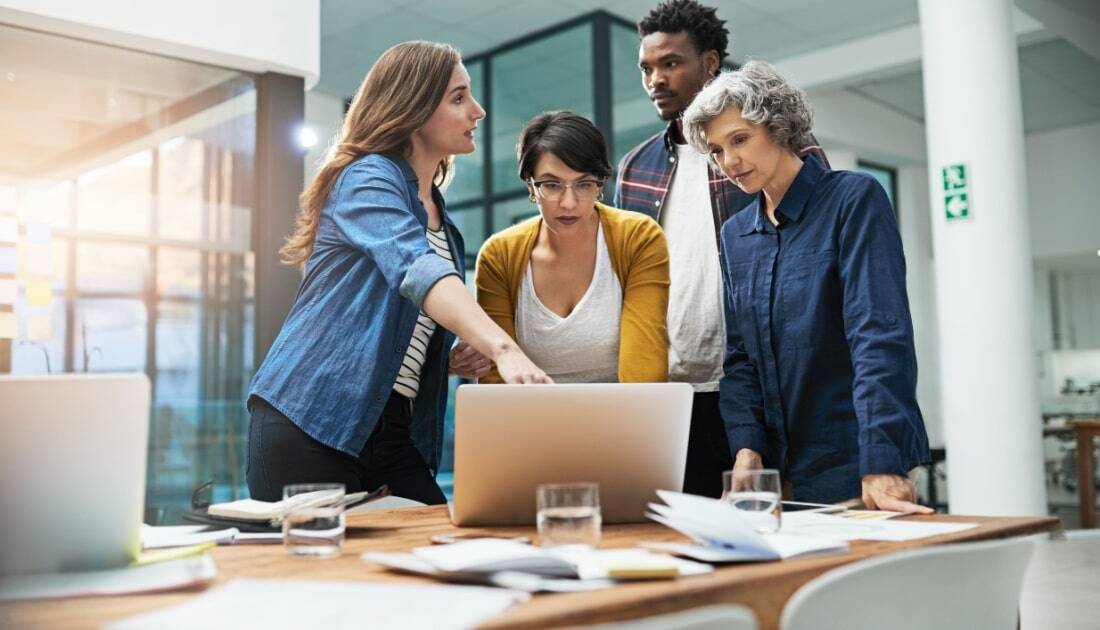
(57, 93)
(1066, 65)
(1060, 85)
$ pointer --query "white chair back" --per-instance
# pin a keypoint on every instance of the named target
(966, 585)
(717, 617)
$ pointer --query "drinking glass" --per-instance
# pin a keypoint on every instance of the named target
(314, 521)
(756, 495)
(569, 515)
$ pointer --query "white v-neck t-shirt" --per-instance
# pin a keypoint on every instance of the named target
(580, 348)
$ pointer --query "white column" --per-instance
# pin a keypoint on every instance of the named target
(916, 236)
(983, 262)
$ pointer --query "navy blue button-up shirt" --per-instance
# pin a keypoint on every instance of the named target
(820, 370)
(333, 365)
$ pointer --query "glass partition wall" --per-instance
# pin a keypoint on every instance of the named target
(129, 222)
(126, 204)
(588, 65)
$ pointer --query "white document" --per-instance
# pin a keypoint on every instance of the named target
(487, 555)
(184, 536)
(187, 535)
(298, 604)
(522, 566)
(605, 563)
(723, 535)
(516, 580)
(847, 529)
(170, 574)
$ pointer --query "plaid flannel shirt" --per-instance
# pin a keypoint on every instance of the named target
(645, 175)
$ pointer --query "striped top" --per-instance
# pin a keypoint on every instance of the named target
(408, 377)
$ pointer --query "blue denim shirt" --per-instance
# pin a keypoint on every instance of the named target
(820, 370)
(333, 365)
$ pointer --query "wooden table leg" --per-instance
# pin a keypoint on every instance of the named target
(1085, 476)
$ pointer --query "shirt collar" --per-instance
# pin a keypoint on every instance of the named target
(794, 202)
(670, 133)
(406, 168)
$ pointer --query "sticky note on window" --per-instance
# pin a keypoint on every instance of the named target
(39, 261)
(39, 327)
(7, 199)
(39, 293)
(9, 229)
(7, 325)
(7, 260)
(8, 291)
(39, 233)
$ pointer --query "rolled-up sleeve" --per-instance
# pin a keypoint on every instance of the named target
(879, 331)
(372, 213)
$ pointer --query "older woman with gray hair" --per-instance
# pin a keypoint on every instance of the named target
(820, 371)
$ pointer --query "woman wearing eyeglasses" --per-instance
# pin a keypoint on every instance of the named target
(582, 287)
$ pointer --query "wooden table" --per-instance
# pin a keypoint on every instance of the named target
(1086, 431)
(765, 587)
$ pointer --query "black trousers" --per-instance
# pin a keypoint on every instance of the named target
(279, 453)
(708, 447)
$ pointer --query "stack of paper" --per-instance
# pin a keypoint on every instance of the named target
(841, 527)
(721, 534)
(171, 574)
(264, 511)
(294, 604)
(187, 535)
(524, 567)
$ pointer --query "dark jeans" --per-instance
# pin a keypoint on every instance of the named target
(279, 453)
(708, 447)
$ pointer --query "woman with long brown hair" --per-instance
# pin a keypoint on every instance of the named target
(354, 387)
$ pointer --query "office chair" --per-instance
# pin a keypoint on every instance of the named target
(717, 617)
(971, 585)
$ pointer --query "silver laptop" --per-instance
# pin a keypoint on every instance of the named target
(630, 438)
(72, 471)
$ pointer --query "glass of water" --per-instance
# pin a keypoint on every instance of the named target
(314, 521)
(756, 494)
(569, 515)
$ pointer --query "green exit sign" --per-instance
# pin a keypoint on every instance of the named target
(956, 192)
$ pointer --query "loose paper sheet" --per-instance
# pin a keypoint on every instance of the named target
(298, 604)
(847, 529)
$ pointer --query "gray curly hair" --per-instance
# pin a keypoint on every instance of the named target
(762, 96)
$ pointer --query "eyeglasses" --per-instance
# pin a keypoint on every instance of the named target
(552, 190)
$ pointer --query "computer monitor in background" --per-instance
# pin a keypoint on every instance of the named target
(72, 471)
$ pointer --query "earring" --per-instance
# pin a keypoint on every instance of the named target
(531, 198)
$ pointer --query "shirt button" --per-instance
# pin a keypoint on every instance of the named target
(671, 159)
(657, 203)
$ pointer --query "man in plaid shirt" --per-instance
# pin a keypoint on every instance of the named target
(682, 47)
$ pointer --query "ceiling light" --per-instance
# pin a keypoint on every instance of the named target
(306, 137)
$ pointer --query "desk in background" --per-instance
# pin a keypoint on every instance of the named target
(1086, 431)
(764, 587)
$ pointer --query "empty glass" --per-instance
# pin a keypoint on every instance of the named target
(756, 494)
(314, 521)
(569, 515)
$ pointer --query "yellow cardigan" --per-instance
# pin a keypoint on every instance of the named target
(639, 256)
